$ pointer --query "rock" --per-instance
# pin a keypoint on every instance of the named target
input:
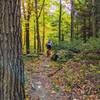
(55, 57)
(53, 92)
(47, 66)
(33, 87)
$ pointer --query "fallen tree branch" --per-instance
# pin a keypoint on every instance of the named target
(53, 73)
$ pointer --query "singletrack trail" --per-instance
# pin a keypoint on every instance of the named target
(41, 72)
(39, 85)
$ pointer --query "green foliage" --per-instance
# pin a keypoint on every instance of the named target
(78, 50)
(55, 87)
(93, 44)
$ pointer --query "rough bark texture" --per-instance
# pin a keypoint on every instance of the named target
(11, 67)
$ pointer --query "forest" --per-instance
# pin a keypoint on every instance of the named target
(49, 49)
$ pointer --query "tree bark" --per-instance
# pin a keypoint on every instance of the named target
(84, 30)
(27, 35)
(27, 15)
(60, 11)
(11, 66)
(72, 19)
(27, 24)
(93, 19)
(37, 27)
(43, 42)
(97, 6)
(34, 36)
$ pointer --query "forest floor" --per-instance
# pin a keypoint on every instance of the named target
(49, 80)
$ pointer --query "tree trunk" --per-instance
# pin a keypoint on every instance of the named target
(60, 11)
(72, 19)
(26, 14)
(37, 27)
(97, 5)
(28, 28)
(34, 36)
(11, 67)
(93, 18)
(77, 28)
(43, 43)
(89, 27)
(27, 36)
(84, 30)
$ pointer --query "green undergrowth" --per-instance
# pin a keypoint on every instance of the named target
(78, 50)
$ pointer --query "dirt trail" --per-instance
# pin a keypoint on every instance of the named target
(39, 85)
(41, 72)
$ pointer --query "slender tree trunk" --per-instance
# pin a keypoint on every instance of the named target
(27, 20)
(93, 18)
(84, 30)
(72, 19)
(27, 36)
(37, 27)
(28, 28)
(24, 15)
(43, 43)
(97, 6)
(62, 37)
(11, 67)
(34, 37)
(89, 30)
(77, 28)
(60, 11)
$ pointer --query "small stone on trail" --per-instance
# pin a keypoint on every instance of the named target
(33, 87)
(47, 66)
(53, 92)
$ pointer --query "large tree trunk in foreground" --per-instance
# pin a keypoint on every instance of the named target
(11, 67)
